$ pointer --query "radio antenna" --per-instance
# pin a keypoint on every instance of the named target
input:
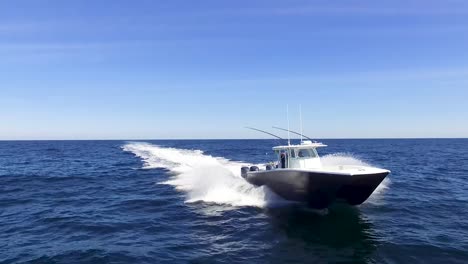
(300, 118)
(287, 114)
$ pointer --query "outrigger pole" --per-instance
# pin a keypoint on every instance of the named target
(265, 132)
(294, 132)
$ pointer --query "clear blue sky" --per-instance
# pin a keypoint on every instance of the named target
(204, 69)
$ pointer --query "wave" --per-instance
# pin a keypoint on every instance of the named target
(215, 179)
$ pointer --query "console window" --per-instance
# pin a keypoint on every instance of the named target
(305, 153)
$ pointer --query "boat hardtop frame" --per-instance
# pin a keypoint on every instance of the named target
(301, 156)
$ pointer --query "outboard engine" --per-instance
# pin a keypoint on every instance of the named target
(254, 168)
(244, 171)
(269, 167)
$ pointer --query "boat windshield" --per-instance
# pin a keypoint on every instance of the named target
(306, 153)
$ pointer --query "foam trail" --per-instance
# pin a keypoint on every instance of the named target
(203, 177)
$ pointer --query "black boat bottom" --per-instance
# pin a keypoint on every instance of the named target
(318, 190)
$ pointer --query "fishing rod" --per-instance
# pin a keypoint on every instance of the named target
(265, 132)
(294, 132)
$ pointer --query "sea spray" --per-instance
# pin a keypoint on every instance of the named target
(341, 158)
(203, 177)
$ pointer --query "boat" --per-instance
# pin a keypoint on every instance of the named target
(299, 175)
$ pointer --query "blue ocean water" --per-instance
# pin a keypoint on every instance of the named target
(183, 201)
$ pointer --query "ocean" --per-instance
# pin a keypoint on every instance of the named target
(183, 201)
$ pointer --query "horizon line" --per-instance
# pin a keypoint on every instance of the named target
(168, 139)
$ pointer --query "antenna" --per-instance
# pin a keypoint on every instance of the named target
(264, 132)
(287, 114)
(300, 118)
(294, 132)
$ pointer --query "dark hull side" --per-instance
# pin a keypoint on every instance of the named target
(316, 189)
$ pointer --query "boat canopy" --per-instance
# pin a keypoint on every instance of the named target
(304, 145)
(301, 156)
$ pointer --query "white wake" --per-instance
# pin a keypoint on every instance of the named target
(214, 179)
(203, 177)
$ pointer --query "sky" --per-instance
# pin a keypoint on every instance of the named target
(152, 69)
